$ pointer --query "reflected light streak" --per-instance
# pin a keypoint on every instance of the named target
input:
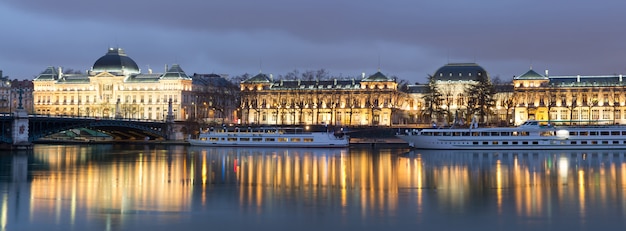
(499, 184)
(563, 168)
(344, 193)
(204, 177)
(581, 189)
(3, 212)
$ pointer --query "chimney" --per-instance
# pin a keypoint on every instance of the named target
(547, 73)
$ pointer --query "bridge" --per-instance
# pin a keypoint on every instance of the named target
(40, 126)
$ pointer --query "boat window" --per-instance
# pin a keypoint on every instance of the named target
(515, 143)
(583, 133)
(573, 133)
(525, 142)
(465, 134)
(213, 139)
(523, 134)
(282, 139)
(475, 143)
(495, 134)
(583, 142)
(535, 142)
(494, 142)
(615, 142)
(623, 133)
(547, 133)
(514, 133)
(296, 139)
(474, 133)
(604, 133)
(593, 133)
(594, 142)
(484, 133)
(244, 139)
(615, 133)
(270, 139)
(257, 139)
(605, 142)
(505, 134)
(232, 138)
(485, 142)
(307, 140)
(505, 142)
(456, 134)
(572, 142)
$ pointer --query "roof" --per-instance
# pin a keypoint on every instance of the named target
(459, 71)
(175, 72)
(50, 73)
(115, 61)
(260, 78)
(377, 77)
(530, 74)
(586, 81)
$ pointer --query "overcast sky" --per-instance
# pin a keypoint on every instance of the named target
(405, 38)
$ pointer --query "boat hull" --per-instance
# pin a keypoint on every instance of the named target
(513, 143)
(342, 144)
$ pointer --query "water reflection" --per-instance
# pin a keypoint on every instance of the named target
(115, 187)
(528, 182)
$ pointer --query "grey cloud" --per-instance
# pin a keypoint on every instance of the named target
(413, 38)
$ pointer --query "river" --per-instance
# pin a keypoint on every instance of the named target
(175, 187)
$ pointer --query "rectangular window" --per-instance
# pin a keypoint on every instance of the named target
(564, 115)
(307, 139)
(606, 114)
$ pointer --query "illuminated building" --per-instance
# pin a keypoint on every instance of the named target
(114, 87)
(596, 99)
(368, 101)
(452, 80)
(11, 91)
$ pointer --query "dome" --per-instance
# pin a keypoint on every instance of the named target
(116, 61)
(459, 72)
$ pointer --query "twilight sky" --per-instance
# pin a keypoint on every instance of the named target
(406, 38)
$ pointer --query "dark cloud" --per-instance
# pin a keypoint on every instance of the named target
(409, 39)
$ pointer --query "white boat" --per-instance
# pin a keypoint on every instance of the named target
(529, 136)
(270, 137)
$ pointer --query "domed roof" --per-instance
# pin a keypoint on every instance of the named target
(115, 61)
(459, 71)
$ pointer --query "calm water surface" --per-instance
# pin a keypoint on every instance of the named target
(153, 187)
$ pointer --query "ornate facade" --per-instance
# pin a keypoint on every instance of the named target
(452, 80)
(374, 100)
(570, 99)
(114, 88)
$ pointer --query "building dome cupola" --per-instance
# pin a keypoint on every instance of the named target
(115, 61)
(460, 72)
